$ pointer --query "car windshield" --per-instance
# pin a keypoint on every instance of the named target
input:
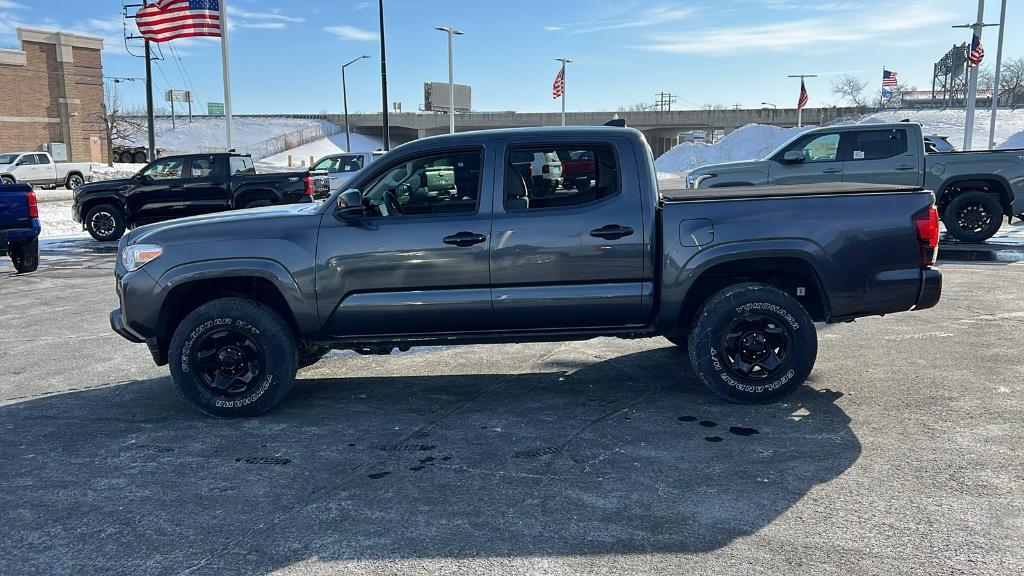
(8, 158)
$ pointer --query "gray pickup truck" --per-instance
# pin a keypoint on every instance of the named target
(975, 191)
(444, 241)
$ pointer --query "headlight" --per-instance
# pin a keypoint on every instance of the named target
(138, 255)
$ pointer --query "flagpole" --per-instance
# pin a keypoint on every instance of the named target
(799, 108)
(995, 85)
(563, 92)
(227, 71)
(881, 93)
(972, 77)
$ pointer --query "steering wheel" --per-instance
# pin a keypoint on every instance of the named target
(391, 201)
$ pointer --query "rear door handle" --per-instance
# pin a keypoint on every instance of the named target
(612, 232)
(905, 167)
(831, 170)
(464, 239)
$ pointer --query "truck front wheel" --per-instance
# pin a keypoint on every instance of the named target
(233, 357)
(105, 222)
(973, 217)
(753, 343)
(25, 255)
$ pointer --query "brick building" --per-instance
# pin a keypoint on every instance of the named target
(51, 91)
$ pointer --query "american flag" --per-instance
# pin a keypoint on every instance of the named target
(169, 19)
(558, 88)
(803, 96)
(888, 78)
(977, 52)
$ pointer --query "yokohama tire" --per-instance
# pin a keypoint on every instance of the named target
(753, 344)
(204, 356)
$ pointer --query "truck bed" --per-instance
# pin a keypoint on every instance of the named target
(672, 194)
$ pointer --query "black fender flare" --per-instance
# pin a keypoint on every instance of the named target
(1005, 193)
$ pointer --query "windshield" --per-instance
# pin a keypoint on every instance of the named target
(8, 158)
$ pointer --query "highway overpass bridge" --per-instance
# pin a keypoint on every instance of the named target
(661, 128)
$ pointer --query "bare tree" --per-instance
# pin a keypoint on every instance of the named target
(986, 78)
(1011, 81)
(119, 124)
(851, 88)
(638, 107)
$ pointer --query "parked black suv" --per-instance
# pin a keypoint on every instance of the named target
(178, 186)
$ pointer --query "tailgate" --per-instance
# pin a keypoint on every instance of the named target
(14, 209)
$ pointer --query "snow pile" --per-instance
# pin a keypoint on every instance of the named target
(1015, 141)
(320, 148)
(104, 172)
(951, 123)
(751, 142)
(55, 221)
(207, 133)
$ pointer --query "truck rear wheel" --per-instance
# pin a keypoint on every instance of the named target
(73, 181)
(25, 255)
(233, 357)
(7, 180)
(141, 158)
(105, 222)
(973, 217)
(753, 344)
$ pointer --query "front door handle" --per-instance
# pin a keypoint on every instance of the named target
(904, 167)
(831, 170)
(464, 239)
(612, 232)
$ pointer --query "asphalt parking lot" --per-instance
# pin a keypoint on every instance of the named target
(904, 454)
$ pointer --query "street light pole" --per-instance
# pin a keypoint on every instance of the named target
(799, 108)
(344, 99)
(384, 81)
(972, 81)
(564, 61)
(451, 76)
(769, 104)
(995, 83)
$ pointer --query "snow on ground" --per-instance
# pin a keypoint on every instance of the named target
(750, 142)
(1015, 141)
(104, 172)
(55, 221)
(951, 123)
(209, 132)
(320, 148)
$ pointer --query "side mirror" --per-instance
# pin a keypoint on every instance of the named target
(145, 179)
(793, 157)
(350, 203)
(21, 162)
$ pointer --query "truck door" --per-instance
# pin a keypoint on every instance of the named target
(27, 170)
(206, 185)
(882, 157)
(159, 193)
(416, 260)
(45, 170)
(568, 254)
(819, 161)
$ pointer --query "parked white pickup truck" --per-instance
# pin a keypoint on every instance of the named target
(39, 169)
(331, 172)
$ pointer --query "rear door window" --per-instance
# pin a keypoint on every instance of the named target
(563, 176)
(878, 144)
(42, 159)
(203, 167)
(241, 165)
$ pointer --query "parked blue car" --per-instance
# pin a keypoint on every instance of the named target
(19, 226)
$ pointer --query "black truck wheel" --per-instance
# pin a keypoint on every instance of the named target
(973, 217)
(25, 255)
(233, 357)
(753, 343)
(105, 222)
(140, 157)
(7, 180)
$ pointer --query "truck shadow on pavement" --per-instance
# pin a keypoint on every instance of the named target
(619, 456)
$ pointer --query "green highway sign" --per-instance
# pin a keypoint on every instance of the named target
(215, 108)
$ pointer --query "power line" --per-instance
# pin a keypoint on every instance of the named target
(183, 71)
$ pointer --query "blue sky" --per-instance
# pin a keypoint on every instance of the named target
(285, 55)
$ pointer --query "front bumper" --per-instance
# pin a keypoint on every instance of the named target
(931, 289)
(117, 325)
(76, 212)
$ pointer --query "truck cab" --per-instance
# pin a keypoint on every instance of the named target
(39, 169)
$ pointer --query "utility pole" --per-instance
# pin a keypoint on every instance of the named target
(665, 100)
(451, 76)
(565, 85)
(344, 100)
(149, 102)
(995, 84)
(384, 80)
(972, 81)
(799, 107)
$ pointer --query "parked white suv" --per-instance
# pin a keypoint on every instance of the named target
(39, 169)
(544, 168)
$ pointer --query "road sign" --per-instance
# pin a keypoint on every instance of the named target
(215, 108)
(178, 95)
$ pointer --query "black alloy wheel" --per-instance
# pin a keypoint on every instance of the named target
(756, 346)
(230, 362)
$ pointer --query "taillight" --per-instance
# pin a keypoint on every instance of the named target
(33, 205)
(309, 185)
(926, 222)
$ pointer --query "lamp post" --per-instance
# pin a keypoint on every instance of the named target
(769, 104)
(995, 85)
(451, 76)
(344, 99)
(564, 61)
(384, 80)
(972, 77)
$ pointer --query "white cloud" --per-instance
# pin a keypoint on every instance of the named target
(272, 15)
(9, 5)
(351, 33)
(362, 5)
(263, 25)
(888, 22)
(637, 18)
(553, 28)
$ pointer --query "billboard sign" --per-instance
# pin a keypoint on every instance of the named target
(435, 97)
